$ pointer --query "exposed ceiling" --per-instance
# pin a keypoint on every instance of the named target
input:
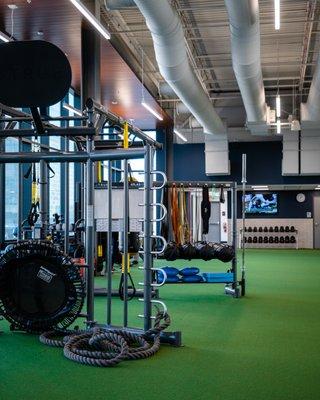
(288, 55)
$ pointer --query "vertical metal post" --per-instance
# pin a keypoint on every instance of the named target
(234, 230)
(66, 200)
(109, 246)
(147, 261)
(244, 182)
(125, 242)
(44, 199)
(2, 193)
(89, 223)
(20, 199)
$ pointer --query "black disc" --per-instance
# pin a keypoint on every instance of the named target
(40, 287)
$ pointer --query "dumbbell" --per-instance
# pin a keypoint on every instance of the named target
(281, 228)
(287, 229)
(255, 229)
(276, 239)
(292, 229)
(260, 239)
(292, 239)
(276, 229)
(270, 239)
(287, 239)
(255, 239)
(265, 229)
(281, 239)
(249, 239)
(271, 229)
(250, 229)
(266, 239)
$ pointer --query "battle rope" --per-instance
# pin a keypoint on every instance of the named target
(107, 348)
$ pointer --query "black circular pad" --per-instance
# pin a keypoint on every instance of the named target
(40, 287)
(33, 73)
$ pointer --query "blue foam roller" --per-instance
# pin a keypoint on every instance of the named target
(189, 271)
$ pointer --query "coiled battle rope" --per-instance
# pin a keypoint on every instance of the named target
(107, 348)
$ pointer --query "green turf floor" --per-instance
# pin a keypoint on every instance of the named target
(264, 346)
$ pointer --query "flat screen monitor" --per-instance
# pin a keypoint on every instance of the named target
(261, 203)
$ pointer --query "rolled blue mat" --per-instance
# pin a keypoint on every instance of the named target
(192, 279)
(189, 271)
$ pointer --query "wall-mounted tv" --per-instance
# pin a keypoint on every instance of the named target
(261, 203)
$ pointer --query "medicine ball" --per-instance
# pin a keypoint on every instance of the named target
(188, 251)
(172, 251)
(223, 252)
(205, 251)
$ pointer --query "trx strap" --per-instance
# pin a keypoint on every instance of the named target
(205, 210)
(33, 214)
(124, 272)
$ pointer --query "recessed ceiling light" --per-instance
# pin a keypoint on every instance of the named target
(12, 6)
(114, 102)
(40, 33)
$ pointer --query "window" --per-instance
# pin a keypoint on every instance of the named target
(11, 191)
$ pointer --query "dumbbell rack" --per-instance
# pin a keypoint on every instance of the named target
(271, 245)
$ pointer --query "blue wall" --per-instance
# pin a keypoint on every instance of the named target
(264, 161)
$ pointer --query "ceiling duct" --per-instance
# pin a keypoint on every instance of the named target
(245, 48)
(119, 4)
(310, 111)
(171, 54)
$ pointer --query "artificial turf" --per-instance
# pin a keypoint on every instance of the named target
(263, 346)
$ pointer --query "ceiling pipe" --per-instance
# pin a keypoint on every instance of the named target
(114, 5)
(245, 47)
(310, 111)
(171, 54)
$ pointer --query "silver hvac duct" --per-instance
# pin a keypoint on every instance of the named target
(245, 47)
(171, 54)
(310, 111)
(119, 4)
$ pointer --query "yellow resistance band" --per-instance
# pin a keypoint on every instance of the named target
(126, 135)
(128, 265)
(99, 172)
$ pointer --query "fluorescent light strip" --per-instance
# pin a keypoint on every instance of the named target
(277, 14)
(72, 109)
(317, 188)
(180, 135)
(278, 126)
(4, 37)
(260, 187)
(91, 18)
(151, 110)
(278, 106)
